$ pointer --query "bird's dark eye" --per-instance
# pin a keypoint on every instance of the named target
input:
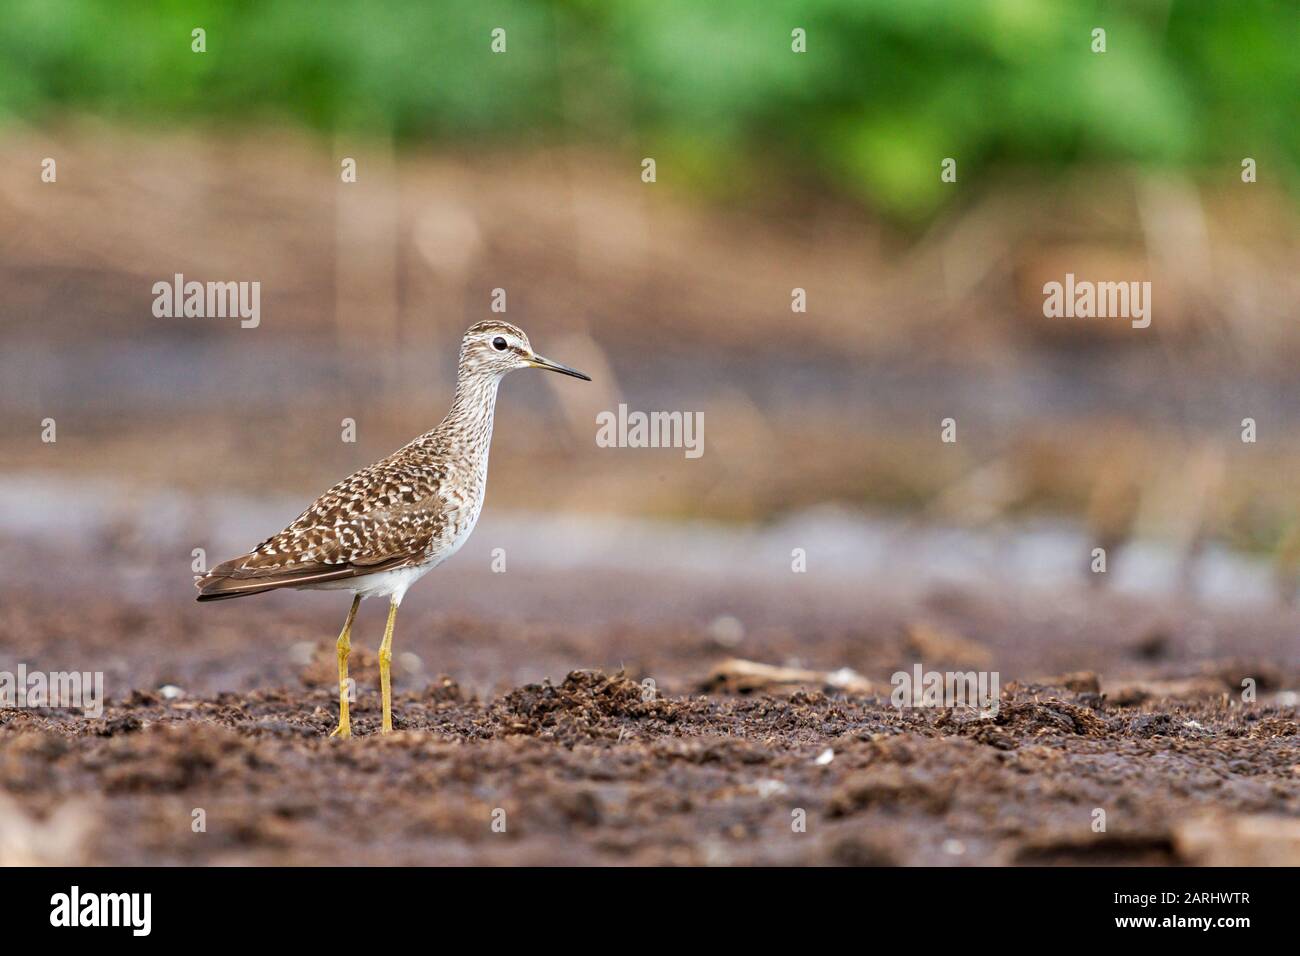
(499, 344)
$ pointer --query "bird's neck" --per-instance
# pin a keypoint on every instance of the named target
(468, 425)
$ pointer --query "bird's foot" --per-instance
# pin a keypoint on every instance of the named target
(343, 731)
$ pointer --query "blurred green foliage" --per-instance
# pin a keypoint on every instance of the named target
(886, 89)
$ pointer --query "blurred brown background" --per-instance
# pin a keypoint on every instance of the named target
(776, 170)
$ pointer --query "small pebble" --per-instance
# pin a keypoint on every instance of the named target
(727, 630)
(768, 787)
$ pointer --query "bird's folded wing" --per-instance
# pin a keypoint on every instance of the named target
(229, 581)
(377, 520)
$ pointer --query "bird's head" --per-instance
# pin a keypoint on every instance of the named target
(495, 347)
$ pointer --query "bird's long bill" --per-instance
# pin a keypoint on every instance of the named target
(538, 362)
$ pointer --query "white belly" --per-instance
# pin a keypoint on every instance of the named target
(380, 584)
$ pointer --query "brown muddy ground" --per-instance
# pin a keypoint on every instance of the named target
(546, 724)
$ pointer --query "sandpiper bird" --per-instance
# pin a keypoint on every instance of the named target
(380, 530)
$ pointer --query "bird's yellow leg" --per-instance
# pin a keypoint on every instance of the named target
(385, 660)
(344, 729)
